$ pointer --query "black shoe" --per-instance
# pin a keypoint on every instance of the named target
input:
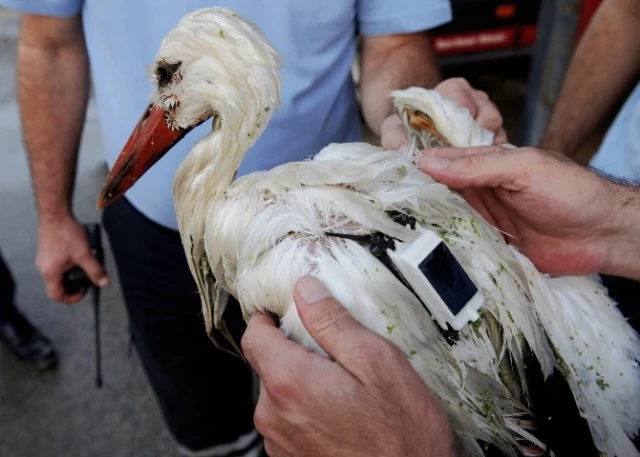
(26, 342)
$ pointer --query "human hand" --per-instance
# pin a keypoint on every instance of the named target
(364, 400)
(393, 135)
(565, 218)
(63, 244)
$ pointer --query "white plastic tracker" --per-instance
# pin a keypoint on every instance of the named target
(438, 279)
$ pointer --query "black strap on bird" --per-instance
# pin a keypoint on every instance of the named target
(76, 280)
(378, 244)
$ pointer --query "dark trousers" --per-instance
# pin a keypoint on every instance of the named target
(7, 291)
(205, 394)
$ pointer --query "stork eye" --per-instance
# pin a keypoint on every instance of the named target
(165, 72)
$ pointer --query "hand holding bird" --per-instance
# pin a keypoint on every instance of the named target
(565, 218)
(393, 134)
(312, 406)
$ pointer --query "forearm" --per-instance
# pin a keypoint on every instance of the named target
(604, 66)
(53, 93)
(624, 244)
(390, 63)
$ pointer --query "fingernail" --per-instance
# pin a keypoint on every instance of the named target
(311, 290)
(103, 282)
(435, 163)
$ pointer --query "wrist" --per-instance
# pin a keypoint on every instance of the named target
(55, 216)
(623, 245)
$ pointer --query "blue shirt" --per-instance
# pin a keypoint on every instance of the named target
(619, 153)
(316, 39)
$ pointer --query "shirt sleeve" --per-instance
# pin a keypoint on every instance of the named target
(59, 8)
(384, 17)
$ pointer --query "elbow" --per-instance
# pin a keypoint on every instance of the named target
(52, 34)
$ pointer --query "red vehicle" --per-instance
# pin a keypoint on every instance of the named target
(481, 26)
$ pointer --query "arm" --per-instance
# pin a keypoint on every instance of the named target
(564, 217)
(394, 62)
(604, 66)
(624, 257)
(53, 91)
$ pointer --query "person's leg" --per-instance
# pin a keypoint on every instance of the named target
(7, 291)
(204, 394)
(17, 333)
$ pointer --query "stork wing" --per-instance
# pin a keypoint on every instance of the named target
(431, 120)
(214, 303)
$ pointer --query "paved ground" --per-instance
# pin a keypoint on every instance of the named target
(62, 413)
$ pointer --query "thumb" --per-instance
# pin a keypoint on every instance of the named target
(491, 166)
(96, 272)
(328, 321)
(392, 133)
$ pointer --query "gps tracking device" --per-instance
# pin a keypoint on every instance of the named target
(438, 279)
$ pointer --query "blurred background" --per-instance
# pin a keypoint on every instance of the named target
(61, 412)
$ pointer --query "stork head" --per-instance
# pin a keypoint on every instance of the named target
(213, 63)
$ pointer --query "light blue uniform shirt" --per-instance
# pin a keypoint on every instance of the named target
(619, 153)
(316, 39)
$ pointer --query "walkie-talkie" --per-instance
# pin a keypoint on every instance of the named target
(76, 281)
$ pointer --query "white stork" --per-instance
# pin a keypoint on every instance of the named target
(343, 215)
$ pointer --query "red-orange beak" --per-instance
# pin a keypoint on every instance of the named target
(151, 139)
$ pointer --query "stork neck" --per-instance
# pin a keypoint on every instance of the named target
(207, 171)
(212, 163)
(211, 166)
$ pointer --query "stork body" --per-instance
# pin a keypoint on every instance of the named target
(255, 236)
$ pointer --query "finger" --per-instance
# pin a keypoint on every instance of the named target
(272, 449)
(262, 391)
(452, 153)
(487, 114)
(458, 89)
(500, 137)
(462, 97)
(329, 323)
(53, 282)
(56, 292)
(326, 320)
(465, 99)
(266, 348)
(393, 134)
(264, 415)
(506, 168)
(96, 272)
(273, 423)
